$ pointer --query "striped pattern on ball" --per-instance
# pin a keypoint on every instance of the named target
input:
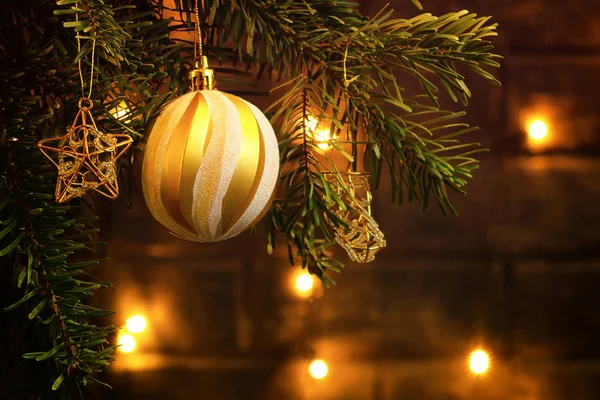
(210, 166)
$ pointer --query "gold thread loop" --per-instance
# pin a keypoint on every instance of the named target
(84, 107)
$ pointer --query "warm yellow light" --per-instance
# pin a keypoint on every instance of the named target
(126, 343)
(538, 130)
(323, 138)
(321, 135)
(318, 369)
(479, 362)
(304, 283)
(120, 111)
(136, 324)
(311, 123)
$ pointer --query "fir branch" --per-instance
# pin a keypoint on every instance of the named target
(337, 65)
(44, 239)
(332, 40)
(35, 258)
(95, 22)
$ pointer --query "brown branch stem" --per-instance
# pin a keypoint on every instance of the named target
(14, 187)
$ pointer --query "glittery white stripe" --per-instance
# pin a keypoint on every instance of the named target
(216, 169)
(218, 164)
(269, 176)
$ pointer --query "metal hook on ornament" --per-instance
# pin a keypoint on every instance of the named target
(201, 77)
(82, 104)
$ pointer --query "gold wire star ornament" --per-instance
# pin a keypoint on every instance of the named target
(362, 238)
(87, 158)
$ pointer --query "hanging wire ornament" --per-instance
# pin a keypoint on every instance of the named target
(362, 239)
(87, 158)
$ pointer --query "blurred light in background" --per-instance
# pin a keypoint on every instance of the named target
(538, 130)
(311, 123)
(320, 134)
(304, 283)
(318, 369)
(479, 362)
(323, 138)
(126, 343)
(136, 324)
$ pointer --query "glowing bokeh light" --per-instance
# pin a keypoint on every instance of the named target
(323, 138)
(538, 130)
(136, 324)
(304, 283)
(321, 135)
(318, 369)
(311, 123)
(126, 343)
(479, 362)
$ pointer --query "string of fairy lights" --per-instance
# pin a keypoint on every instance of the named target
(303, 286)
(538, 133)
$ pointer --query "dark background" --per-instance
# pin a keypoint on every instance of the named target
(517, 273)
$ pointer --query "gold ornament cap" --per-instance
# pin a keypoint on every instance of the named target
(202, 77)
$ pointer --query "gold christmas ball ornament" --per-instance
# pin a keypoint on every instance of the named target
(210, 167)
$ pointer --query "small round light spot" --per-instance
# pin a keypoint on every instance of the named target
(126, 343)
(318, 369)
(479, 362)
(136, 324)
(304, 283)
(538, 130)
